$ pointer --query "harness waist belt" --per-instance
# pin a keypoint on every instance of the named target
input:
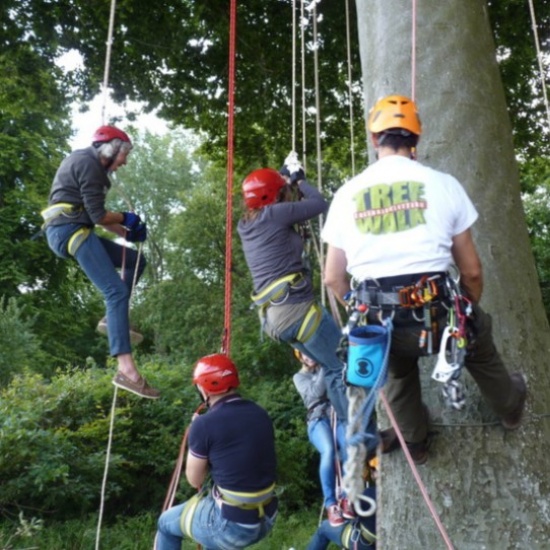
(408, 291)
(58, 209)
(247, 507)
(277, 289)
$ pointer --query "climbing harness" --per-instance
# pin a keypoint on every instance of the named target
(256, 500)
(186, 518)
(353, 533)
(277, 292)
(60, 209)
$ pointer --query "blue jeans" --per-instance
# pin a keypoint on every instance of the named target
(322, 347)
(100, 258)
(320, 434)
(209, 528)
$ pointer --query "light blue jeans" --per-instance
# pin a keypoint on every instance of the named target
(322, 347)
(321, 436)
(209, 528)
(100, 258)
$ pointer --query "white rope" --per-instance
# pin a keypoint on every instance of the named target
(318, 130)
(539, 59)
(303, 22)
(357, 454)
(108, 60)
(293, 75)
(350, 92)
(106, 470)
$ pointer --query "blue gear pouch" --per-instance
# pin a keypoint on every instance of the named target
(366, 355)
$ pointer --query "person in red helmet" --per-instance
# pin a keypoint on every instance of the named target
(76, 205)
(234, 443)
(283, 288)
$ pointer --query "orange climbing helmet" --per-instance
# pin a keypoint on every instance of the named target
(216, 374)
(261, 187)
(105, 134)
(392, 112)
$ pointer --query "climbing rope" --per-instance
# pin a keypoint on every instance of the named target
(413, 51)
(108, 61)
(416, 475)
(350, 92)
(539, 59)
(226, 340)
(106, 469)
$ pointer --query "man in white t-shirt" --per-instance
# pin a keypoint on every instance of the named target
(396, 228)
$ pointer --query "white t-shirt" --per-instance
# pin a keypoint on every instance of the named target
(398, 217)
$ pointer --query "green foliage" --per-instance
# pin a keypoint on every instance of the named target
(19, 346)
(54, 437)
(291, 530)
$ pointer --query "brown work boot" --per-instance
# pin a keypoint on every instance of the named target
(512, 420)
(389, 442)
(419, 451)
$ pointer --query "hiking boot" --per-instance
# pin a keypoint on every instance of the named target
(140, 387)
(389, 442)
(347, 509)
(512, 420)
(334, 515)
(135, 336)
(419, 451)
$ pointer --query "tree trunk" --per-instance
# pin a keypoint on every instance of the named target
(489, 487)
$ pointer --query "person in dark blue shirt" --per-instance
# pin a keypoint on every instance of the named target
(234, 443)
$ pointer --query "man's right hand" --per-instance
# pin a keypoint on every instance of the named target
(130, 220)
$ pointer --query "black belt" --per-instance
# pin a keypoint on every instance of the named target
(390, 292)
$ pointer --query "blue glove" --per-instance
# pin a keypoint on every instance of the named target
(130, 220)
(292, 168)
(138, 234)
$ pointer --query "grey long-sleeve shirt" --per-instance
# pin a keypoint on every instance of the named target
(81, 180)
(271, 245)
(312, 388)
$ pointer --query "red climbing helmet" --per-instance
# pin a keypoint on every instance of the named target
(216, 373)
(394, 111)
(105, 134)
(261, 187)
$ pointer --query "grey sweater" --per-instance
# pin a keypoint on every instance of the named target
(81, 180)
(312, 388)
(273, 248)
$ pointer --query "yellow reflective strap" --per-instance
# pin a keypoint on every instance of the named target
(77, 238)
(277, 289)
(248, 497)
(310, 323)
(186, 518)
(55, 210)
(345, 537)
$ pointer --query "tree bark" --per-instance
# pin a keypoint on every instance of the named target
(490, 487)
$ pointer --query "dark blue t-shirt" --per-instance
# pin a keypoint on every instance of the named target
(236, 436)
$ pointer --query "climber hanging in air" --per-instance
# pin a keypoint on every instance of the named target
(283, 289)
(76, 205)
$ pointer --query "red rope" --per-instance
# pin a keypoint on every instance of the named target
(413, 52)
(414, 470)
(226, 342)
